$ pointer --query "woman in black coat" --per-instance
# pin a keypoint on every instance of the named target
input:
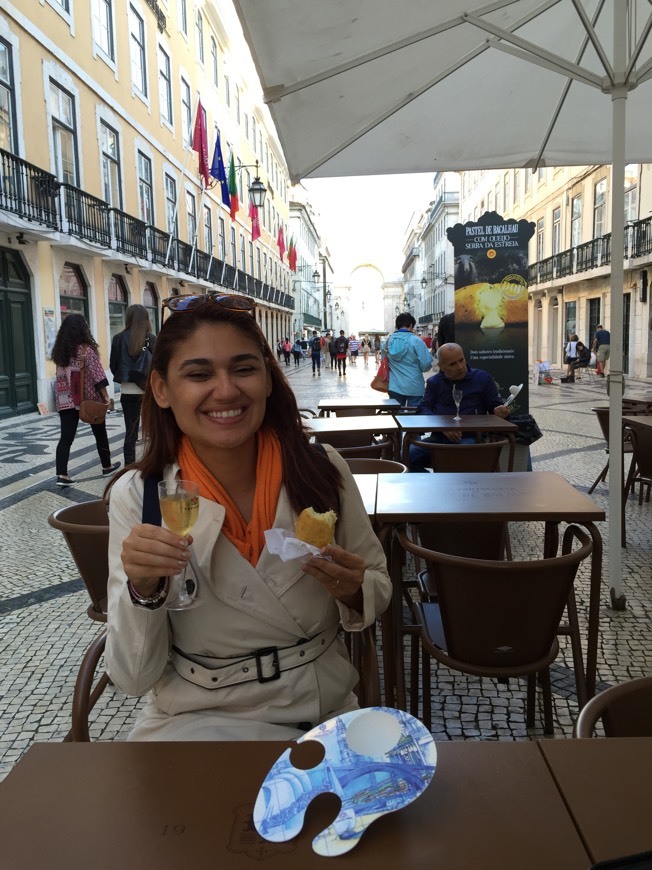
(131, 355)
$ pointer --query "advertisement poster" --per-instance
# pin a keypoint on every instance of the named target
(491, 302)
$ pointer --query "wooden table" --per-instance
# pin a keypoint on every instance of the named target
(525, 496)
(417, 424)
(606, 785)
(372, 403)
(375, 424)
(368, 485)
(164, 806)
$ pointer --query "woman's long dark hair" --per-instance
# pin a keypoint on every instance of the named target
(73, 332)
(311, 480)
(137, 322)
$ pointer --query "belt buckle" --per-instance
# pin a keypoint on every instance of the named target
(267, 651)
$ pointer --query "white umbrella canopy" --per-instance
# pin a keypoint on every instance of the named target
(361, 87)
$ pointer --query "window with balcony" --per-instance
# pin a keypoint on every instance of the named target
(145, 189)
(222, 240)
(526, 181)
(227, 90)
(556, 231)
(576, 221)
(171, 222)
(103, 27)
(540, 239)
(517, 187)
(7, 100)
(497, 196)
(165, 86)
(64, 134)
(110, 149)
(191, 216)
(208, 229)
(138, 52)
(599, 208)
(243, 253)
(234, 249)
(631, 192)
(186, 112)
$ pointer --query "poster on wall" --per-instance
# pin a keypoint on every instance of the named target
(491, 301)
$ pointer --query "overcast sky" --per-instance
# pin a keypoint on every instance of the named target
(364, 219)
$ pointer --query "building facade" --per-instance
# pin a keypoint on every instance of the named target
(101, 201)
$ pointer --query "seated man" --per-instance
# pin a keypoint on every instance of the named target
(480, 396)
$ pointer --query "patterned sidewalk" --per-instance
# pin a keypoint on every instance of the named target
(44, 629)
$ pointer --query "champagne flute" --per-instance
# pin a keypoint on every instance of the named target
(457, 398)
(179, 500)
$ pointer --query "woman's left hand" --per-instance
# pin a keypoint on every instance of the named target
(342, 577)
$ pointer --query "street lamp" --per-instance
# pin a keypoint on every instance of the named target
(315, 276)
(257, 190)
(324, 292)
(424, 282)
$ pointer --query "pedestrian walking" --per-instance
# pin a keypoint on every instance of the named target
(296, 352)
(315, 355)
(377, 349)
(326, 350)
(354, 347)
(365, 345)
(332, 347)
(130, 360)
(73, 345)
(287, 351)
(408, 359)
(341, 348)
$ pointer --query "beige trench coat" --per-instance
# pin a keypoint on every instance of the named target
(244, 609)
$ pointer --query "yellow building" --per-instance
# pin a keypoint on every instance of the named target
(101, 200)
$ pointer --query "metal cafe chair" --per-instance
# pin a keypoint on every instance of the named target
(482, 457)
(365, 465)
(625, 710)
(85, 528)
(500, 619)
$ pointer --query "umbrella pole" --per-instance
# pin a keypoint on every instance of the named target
(615, 382)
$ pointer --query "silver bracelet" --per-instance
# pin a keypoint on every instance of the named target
(153, 601)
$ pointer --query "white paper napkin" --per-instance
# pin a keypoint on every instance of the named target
(284, 544)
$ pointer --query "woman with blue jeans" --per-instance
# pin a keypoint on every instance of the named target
(408, 358)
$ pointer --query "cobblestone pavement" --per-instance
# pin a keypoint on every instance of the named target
(44, 628)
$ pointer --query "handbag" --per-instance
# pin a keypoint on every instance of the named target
(380, 381)
(528, 430)
(139, 371)
(90, 411)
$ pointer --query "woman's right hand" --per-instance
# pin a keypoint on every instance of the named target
(151, 552)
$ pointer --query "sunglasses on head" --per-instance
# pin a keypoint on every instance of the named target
(190, 301)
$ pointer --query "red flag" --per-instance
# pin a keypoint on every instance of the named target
(255, 221)
(280, 241)
(233, 189)
(200, 144)
(292, 255)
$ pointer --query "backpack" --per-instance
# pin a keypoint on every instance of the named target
(316, 344)
(341, 344)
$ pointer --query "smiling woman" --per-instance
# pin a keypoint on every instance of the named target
(262, 657)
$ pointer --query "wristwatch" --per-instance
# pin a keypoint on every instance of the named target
(153, 601)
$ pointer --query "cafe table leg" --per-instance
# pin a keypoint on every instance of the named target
(396, 573)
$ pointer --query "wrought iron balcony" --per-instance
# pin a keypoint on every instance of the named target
(29, 192)
(87, 216)
(130, 234)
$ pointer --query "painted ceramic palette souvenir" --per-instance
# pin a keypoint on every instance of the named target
(376, 760)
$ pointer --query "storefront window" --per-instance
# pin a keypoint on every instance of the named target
(73, 293)
(118, 301)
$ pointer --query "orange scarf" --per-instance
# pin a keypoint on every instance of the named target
(249, 539)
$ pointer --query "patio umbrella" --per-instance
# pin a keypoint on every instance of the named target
(359, 87)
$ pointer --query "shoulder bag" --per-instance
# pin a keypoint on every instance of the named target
(381, 379)
(139, 371)
(90, 411)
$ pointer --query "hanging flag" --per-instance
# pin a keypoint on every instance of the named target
(233, 189)
(219, 172)
(292, 255)
(200, 144)
(255, 221)
(280, 241)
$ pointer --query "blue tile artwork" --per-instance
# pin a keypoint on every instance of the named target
(377, 760)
